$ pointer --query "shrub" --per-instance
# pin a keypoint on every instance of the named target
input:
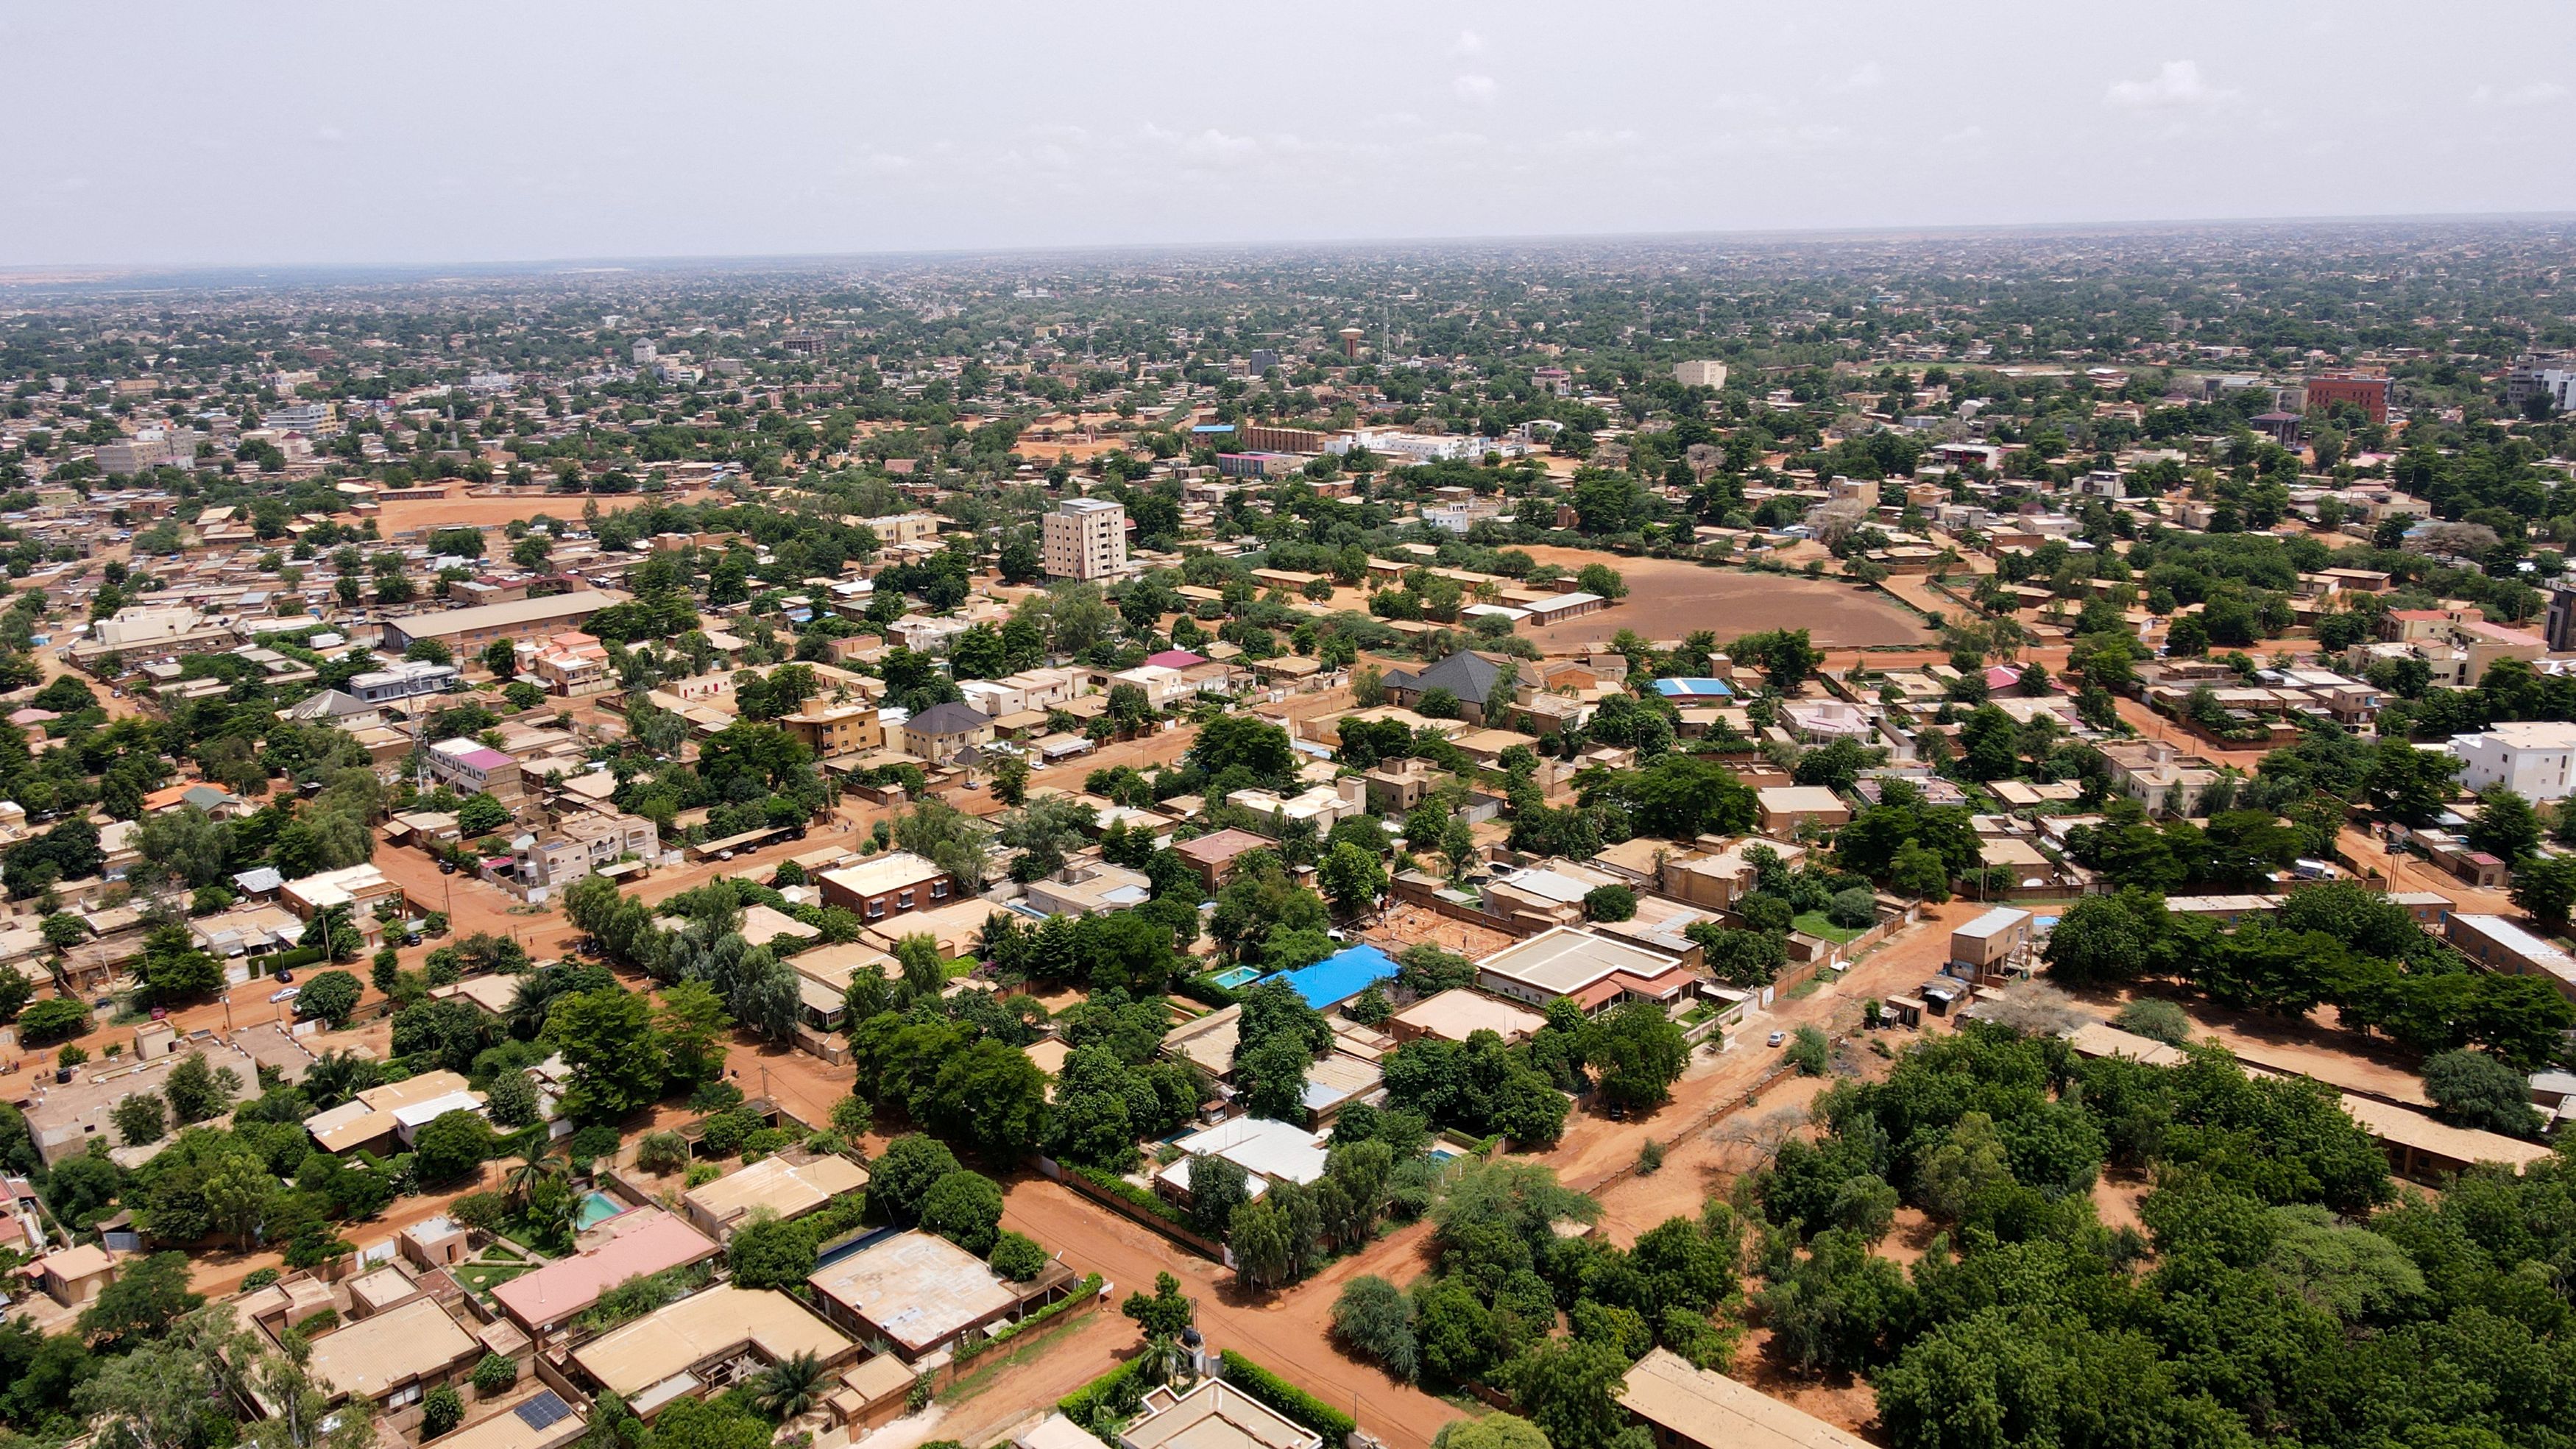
(259, 1278)
(495, 1374)
(1286, 1397)
(1374, 1319)
(441, 1409)
(2156, 1019)
(662, 1152)
(594, 1141)
(1809, 1052)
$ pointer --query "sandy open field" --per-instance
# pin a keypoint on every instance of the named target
(1668, 598)
(399, 514)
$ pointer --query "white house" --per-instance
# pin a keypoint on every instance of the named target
(2533, 758)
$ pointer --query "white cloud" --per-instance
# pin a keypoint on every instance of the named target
(1964, 134)
(1868, 78)
(1469, 43)
(2177, 85)
(332, 134)
(1476, 90)
(2538, 93)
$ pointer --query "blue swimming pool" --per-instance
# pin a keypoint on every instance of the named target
(597, 1208)
(1239, 976)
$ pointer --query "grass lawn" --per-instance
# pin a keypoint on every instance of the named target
(483, 1277)
(1815, 924)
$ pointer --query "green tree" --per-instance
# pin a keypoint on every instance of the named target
(770, 1253)
(615, 1057)
(1350, 876)
(1637, 1053)
(451, 1145)
(965, 1208)
(2505, 826)
(1570, 1390)
(2472, 1089)
(903, 1176)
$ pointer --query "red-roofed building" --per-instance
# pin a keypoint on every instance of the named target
(640, 1242)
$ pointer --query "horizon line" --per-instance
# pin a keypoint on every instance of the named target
(34, 273)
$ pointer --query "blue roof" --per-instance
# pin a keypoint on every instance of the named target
(1212, 427)
(1693, 688)
(1339, 977)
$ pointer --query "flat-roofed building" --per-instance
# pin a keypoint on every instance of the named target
(1992, 939)
(1215, 1415)
(917, 1291)
(785, 1188)
(469, 631)
(830, 731)
(1213, 855)
(2533, 758)
(1459, 1013)
(380, 1117)
(704, 1343)
(540, 1421)
(1267, 1149)
(1784, 808)
(888, 885)
(641, 1242)
(475, 768)
(1085, 538)
(391, 1359)
(2501, 946)
(1690, 1408)
(1593, 971)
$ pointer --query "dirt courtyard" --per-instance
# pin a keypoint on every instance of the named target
(1669, 598)
(1404, 925)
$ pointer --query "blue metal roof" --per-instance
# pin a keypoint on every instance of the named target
(1339, 977)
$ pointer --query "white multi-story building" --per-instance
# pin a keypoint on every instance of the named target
(2533, 758)
(1700, 374)
(1086, 538)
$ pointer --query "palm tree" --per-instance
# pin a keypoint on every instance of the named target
(790, 1386)
(335, 1077)
(537, 1163)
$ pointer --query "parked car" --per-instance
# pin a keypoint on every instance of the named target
(1778, 1037)
(289, 994)
(285, 978)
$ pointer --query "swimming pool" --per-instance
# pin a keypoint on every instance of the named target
(597, 1208)
(1239, 976)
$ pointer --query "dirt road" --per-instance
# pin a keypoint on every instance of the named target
(1284, 1332)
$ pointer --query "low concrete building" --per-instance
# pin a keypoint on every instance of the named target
(1593, 971)
(641, 1242)
(1457, 1014)
(705, 1343)
(1991, 940)
(784, 1186)
(2500, 945)
(888, 885)
(1691, 1408)
(916, 1291)
(1214, 1415)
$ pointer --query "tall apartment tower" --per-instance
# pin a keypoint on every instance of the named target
(1700, 374)
(1086, 538)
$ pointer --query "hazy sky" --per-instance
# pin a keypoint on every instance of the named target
(203, 132)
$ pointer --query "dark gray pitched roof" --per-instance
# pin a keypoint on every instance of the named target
(1466, 674)
(951, 718)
